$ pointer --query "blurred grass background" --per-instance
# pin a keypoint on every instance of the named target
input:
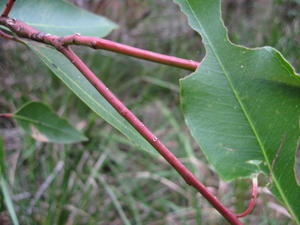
(107, 180)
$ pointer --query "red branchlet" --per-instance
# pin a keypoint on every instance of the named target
(100, 43)
(149, 136)
(6, 115)
(61, 44)
(26, 31)
(252, 200)
(7, 8)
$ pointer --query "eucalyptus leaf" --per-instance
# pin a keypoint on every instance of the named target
(38, 120)
(59, 17)
(73, 78)
(242, 106)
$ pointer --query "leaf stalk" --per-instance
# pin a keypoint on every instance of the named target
(252, 201)
(6, 115)
(23, 30)
(187, 175)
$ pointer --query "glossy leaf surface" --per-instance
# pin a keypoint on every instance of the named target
(242, 106)
(59, 17)
(38, 120)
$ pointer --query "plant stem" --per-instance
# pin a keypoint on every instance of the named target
(100, 43)
(8, 7)
(61, 44)
(252, 200)
(187, 175)
(6, 115)
(24, 30)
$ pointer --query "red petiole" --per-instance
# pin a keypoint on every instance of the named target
(23, 30)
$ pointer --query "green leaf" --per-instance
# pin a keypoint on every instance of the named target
(2, 160)
(8, 202)
(38, 120)
(69, 74)
(4, 187)
(59, 17)
(242, 106)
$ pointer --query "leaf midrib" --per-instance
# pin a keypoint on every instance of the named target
(89, 97)
(37, 122)
(244, 111)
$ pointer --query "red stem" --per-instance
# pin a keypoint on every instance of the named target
(188, 176)
(8, 7)
(24, 30)
(252, 201)
(100, 43)
(6, 115)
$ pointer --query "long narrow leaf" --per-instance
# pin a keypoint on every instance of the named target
(69, 74)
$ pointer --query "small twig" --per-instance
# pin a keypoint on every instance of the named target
(279, 209)
(6, 115)
(21, 196)
(8, 7)
(100, 43)
(24, 30)
(187, 175)
(59, 166)
(170, 184)
(252, 201)
(60, 43)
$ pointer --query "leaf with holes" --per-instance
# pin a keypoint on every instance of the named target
(59, 17)
(38, 120)
(242, 106)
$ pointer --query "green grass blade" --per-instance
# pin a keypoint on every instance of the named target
(4, 188)
(115, 201)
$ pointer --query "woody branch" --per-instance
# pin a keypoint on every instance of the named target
(23, 30)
